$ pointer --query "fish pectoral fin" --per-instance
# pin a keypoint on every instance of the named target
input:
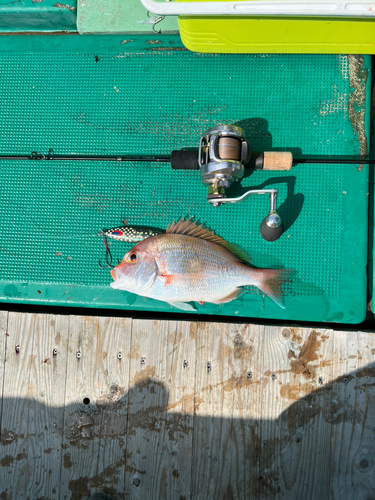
(184, 306)
(228, 298)
(167, 279)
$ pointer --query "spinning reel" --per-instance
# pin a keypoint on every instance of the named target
(222, 156)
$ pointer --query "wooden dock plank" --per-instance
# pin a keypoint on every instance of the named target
(344, 359)
(3, 345)
(294, 437)
(243, 394)
(353, 416)
(311, 413)
(113, 405)
(226, 426)
(161, 406)
(33, 406)
(96, 407)
(16, 402)
(276, 378)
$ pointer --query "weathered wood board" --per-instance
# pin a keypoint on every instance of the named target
(96, 400)
(161, 407)
(33, 403)
(178, 410)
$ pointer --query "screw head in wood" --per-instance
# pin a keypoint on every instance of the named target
(286, 333)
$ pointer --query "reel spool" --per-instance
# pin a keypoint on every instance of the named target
(222, 153)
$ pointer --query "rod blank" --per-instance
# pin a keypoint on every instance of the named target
(176, 156)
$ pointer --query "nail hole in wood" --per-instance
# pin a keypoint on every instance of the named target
(363, 463)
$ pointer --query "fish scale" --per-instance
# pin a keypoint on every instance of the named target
(195, 251)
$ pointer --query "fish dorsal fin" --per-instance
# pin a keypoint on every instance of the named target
(191, 227)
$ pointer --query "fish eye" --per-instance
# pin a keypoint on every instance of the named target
(133, 257)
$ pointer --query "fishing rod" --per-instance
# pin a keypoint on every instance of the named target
(222, 157)
(191, 156)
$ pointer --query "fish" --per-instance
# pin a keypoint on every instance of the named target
(191, 263)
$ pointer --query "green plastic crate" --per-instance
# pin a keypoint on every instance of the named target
(97, 95)
(38, 15)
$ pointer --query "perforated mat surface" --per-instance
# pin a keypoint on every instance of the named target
(98, 95)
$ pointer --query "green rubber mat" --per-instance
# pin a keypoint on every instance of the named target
(97, 95)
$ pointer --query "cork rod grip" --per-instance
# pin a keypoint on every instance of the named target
(277, 160)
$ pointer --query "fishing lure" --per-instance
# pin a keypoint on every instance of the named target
(127, 234)
(130, 234)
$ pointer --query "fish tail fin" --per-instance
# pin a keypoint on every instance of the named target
(271, 281)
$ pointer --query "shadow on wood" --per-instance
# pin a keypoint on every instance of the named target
(163, 454)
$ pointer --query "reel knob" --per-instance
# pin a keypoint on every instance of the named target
(272, 227)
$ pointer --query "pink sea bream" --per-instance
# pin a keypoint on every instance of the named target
(190, 263)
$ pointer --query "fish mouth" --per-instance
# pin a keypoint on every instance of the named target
(119, 280)
(116, 275)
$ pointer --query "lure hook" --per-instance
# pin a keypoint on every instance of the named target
(108, 256)
(155, 20)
